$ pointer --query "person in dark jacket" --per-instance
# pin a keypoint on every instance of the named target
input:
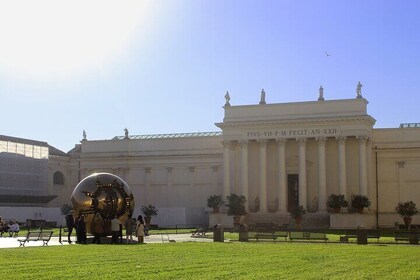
(70, 224)
(81, 230)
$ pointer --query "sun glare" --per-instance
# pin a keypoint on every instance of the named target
(60, 39)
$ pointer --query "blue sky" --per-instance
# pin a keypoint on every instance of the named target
(164, 66)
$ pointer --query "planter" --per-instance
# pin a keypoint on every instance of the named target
(298, 220)
(147, 220)
(216, 210)
(360, 210)
(237, 220)
(407, 222)
(337, 210)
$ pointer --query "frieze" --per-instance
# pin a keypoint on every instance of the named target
(293, 133)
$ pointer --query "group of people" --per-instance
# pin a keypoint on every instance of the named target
(12, 227)
(98, 226)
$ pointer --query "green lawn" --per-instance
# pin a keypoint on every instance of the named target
(281, 260)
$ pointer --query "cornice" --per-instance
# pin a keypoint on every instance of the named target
(297, 122)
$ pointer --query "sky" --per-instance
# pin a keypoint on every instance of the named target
(164, 66)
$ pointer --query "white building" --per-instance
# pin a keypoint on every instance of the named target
(277, 155)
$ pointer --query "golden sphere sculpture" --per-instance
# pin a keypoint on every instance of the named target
(103, 193)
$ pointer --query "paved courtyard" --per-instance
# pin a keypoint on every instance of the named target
(12, 242)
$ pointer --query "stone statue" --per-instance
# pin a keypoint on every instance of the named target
(321, 94)
(227, 98)
(359, 90)
(262, 99)
(126, 133)
(84, 135)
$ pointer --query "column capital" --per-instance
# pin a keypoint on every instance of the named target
(341, 139)
(321, 140)
(281, 140)
(362, 138)
(262, 141)
(226, 143)
(301, 140)
(243, 142)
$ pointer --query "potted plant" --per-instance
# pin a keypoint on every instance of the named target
(148, 211)
(215, 201)
(406, 210)
(336, 201)
(236, 206)
(298, 213)
(359, 202)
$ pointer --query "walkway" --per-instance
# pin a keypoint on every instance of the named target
(12, 242)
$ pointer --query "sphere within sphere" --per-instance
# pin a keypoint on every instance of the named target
(103, 193)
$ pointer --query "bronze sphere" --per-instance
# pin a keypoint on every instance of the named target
(103, 193)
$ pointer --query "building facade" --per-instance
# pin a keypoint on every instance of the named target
(277, 155)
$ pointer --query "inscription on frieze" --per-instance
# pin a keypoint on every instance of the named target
(294, 132)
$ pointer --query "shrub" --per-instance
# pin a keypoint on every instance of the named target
(406, 209)
(337, 201)
(236, 204)
(149, 210)
(215, 201)
(360, 201)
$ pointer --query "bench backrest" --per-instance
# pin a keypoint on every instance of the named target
(265, 227)
(45, 235)
(32, 235)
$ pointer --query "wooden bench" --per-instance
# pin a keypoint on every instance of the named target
(352, 233)
(265, 231)
(43, 236)
(304, 235)
(268, 231)
(199, 231)
(406, 235)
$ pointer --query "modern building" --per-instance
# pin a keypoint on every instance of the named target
(277, 155)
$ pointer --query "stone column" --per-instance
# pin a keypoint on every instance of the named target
(322, 178)
(363, 190)
(303, 200)
(244, 170)
(226, 168)
(263, 175)
(342, 177)
(282, 188)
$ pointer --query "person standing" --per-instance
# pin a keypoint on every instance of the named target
(97, 228)
(140, 229)
(81, 230)
(129, 225)
(115, 228)
(70, 225)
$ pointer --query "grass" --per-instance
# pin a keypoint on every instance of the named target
(282, 260)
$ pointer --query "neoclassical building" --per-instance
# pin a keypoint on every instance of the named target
(277, 155)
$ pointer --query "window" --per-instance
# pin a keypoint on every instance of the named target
(58, 178)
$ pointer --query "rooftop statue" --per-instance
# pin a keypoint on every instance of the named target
(84, 135)
(321, 94)
(227, 98)
(359, 90)
(262, 99)
(126, 133)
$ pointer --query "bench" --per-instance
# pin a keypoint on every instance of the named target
(43, 236)
(268, 231)
(200, 230)
(406, 235)
(304, 235)
(352, 233)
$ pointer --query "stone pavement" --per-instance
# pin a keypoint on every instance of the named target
(12, 242)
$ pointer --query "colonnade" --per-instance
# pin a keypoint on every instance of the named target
(282, 188)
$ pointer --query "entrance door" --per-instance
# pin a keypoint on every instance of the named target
(292, 191)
